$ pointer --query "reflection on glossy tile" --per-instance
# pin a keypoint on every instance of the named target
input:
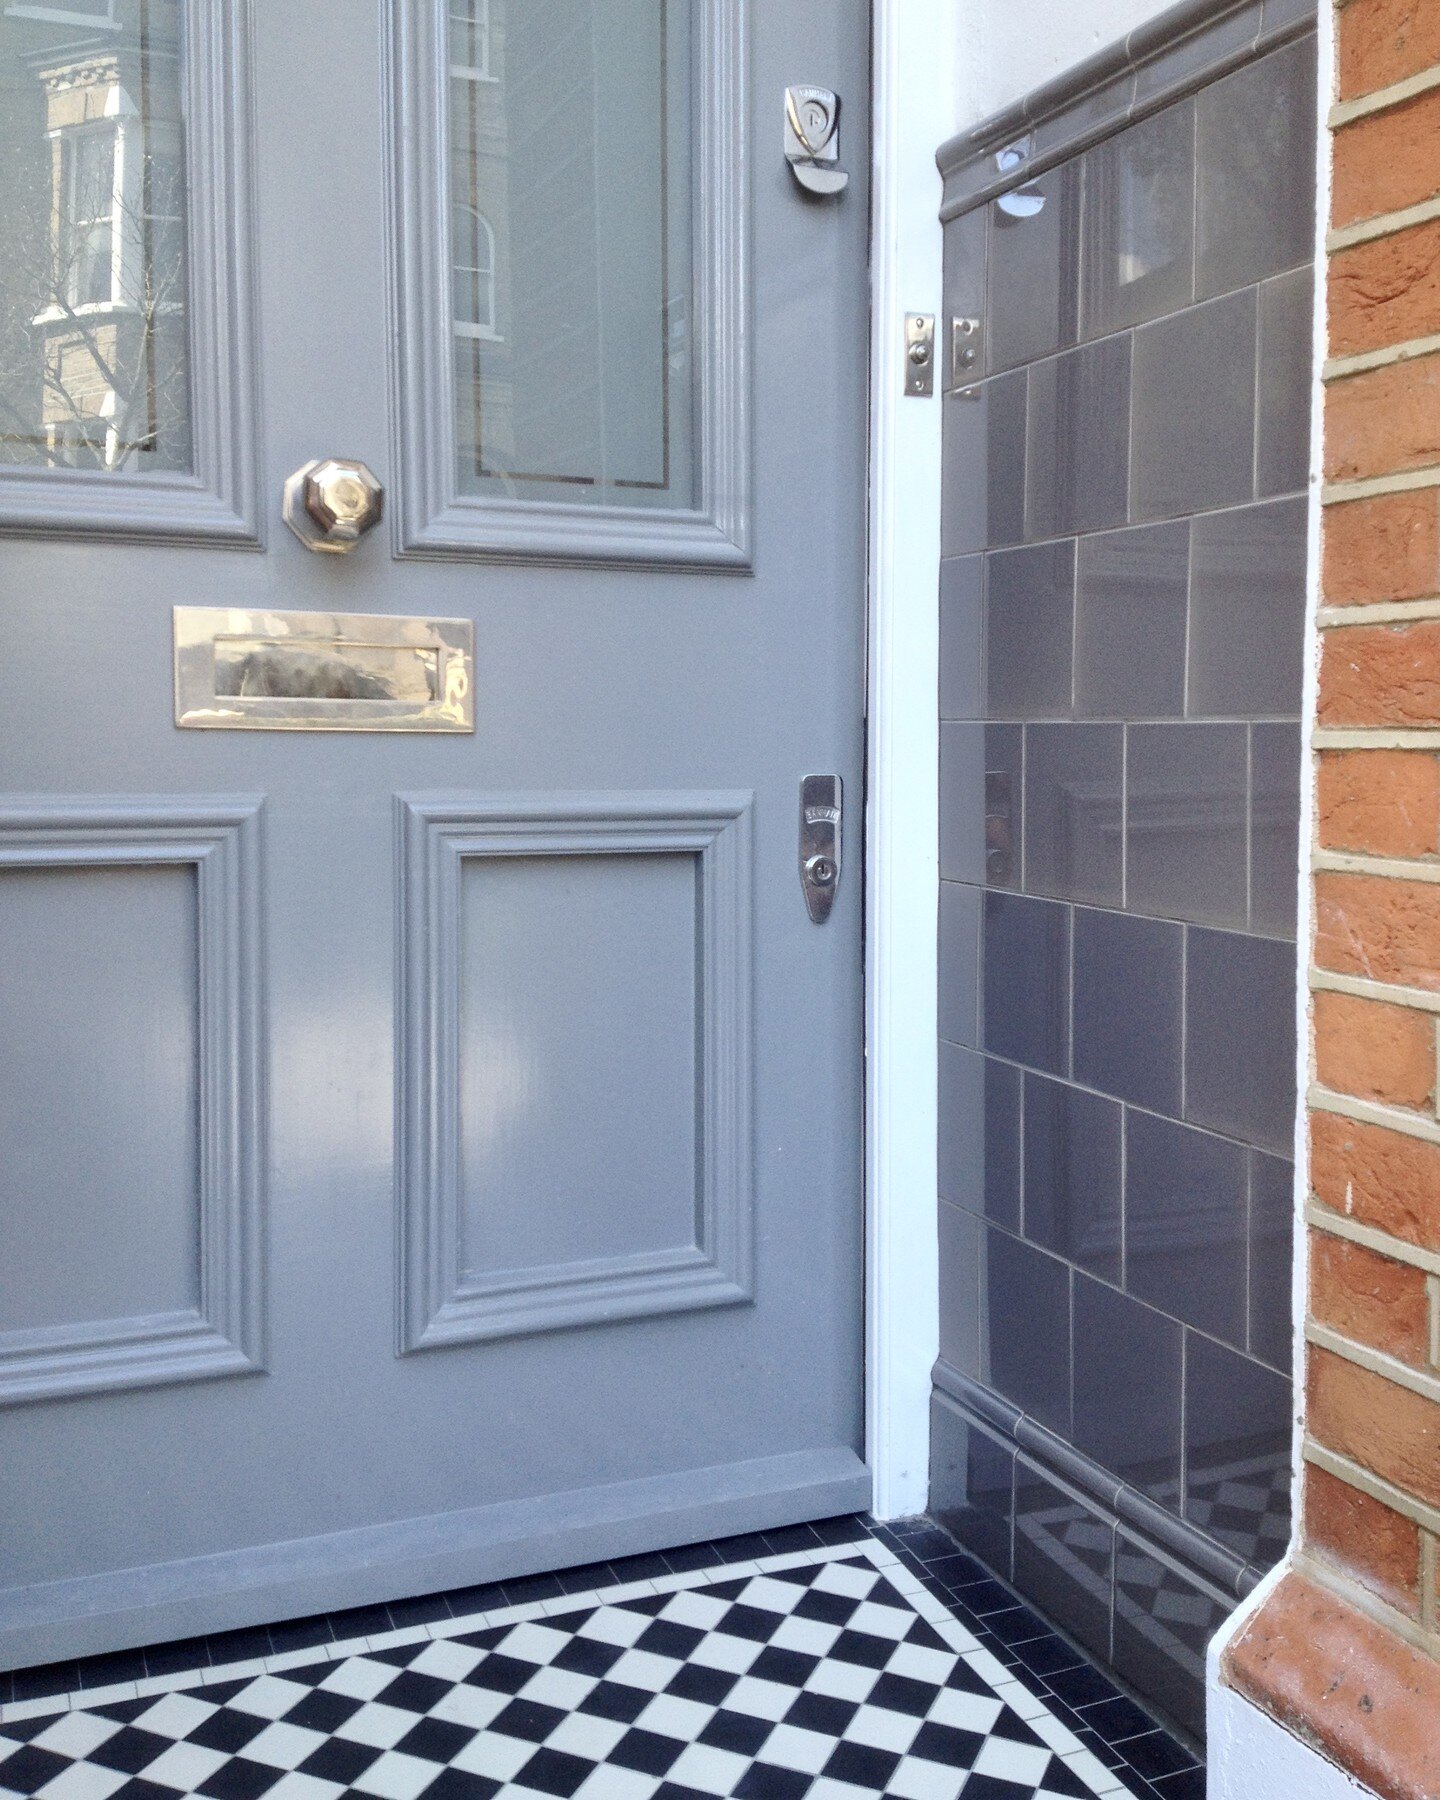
(961, 1261)
(1030, 629)
(1072, 1174)
(1255, 147)
(964, 270)
(1138, 222)
(962, 802)
(1185, 1223)
(1247, 611)
(980, 1134)
(1282, 453)
(1025, 1331)
(1078, 457)
(1197, 367)
(1272, 1257)
(1034, 271)
(1240, 1037)
(962, 638)
(1004, 805)
(971, 1476)
(1127, 1389)
(959, 962)
(983, 481)
(1130, 608)
(1186, 823)
(1127, 1007)
(1274, 827)
(1064, 1557)
(1237, 1451)
(1073, 781)
(1163, 1622)
(1025, 1004)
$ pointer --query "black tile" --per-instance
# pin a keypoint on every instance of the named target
(1185, 1223)
(1240, 1037)
(1074, 777)
(111, 1670)
(786, 1540)
(1132, 596)
(1128, 1007)
(582, 1579)
(1026, 1352)
(1082, 1686)
(1045, 1656)
(45, 1679)
(422, 1609)
(649, 1567)
(1072, 1174)
(848, 1528)
(1026, 980)
(1127, 1388)
(1029, 631)
(361, 1621)
(743, 1548)
(1117, 1720)
(979, 1149)
(1237, 1451)
(1247, 612)
(1187, 835)
(298, 1634)
(1189, 1784)
(486, 1597)
(526, 1590)
(245, 1645)
(1157, 1754)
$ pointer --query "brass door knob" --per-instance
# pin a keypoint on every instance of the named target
(331, 503)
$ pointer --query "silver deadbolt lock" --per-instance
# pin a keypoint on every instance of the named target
(331, 503)
(812, 139)
(821, 809)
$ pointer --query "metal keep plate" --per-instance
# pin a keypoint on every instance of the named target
(821, 808)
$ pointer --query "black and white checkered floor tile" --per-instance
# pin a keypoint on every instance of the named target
(831, 1674)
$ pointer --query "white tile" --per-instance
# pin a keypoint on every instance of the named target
(1093, 1772)
(234, 1671)
(582, 1734)
(76, 1734)
(1021, 1700)
(644, 1669)
(611, 1625)
(840, 1578)
(951, 1632)
(687, 1578)
(809, 1636)
(177, 1715)
(732, 1654)
(1051, 1731)
(882, 1729)
(472, 1706)
(791, 1559)
(881, 1554)
(921, 1663)
(989, 1668)
(627, 1590)
(772, 1596)
(699, 1610)
(842, 1681)
(532, 1642)
(84, 1781)
(1023, 1764)
(167, 1684)
(735, 1571)
(492, 1754)
(610, 1782)
(284, 1746)
(185, 1766)
(760, 1699)
(453, 1628)
(917, 1779)
(673, 1717)
(104, 1696)
(447, 1661)
(354, 1646)
(359, 1678)
(966, 1712)
(827, 1788)
(296, 1786)
(709, 1770)
(880, 1621)
(398, 1777)
(392, 1640)
(376, 1724)
(33, 1709)
(562, 1688)
(295, 1659)
(904, 1581)
(792, 1747)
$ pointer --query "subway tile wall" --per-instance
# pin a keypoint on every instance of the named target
(1122, 628)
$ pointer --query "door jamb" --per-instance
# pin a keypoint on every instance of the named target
(914, 60)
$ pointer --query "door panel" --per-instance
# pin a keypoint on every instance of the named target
(560, 1085)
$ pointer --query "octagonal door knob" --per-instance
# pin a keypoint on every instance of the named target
(332, 502)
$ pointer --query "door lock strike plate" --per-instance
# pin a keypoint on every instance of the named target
(964, 350)
(920, 354)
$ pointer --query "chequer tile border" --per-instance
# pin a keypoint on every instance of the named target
(1054, 1734)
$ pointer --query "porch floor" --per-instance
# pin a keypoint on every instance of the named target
(839, 1661)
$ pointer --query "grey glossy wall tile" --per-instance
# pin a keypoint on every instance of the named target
(971, 1479)
(1194, 411)
(1185, 1223)
(1272, 1259)
(1255, 150)
(1025, 1004)
(1240, 1036)
(962, 802)
(1282, 448)
(1237, 1451)
(959, 957)
(1163, 1622)
(1034, 271)
(980, 1134)
(961, 1263)
(1127, 1389)
(1131, 599)
(1072, 1174)
(1025, 999)
(1074, 776)
(1078, 440)
(1185, 822)
(983, 478)
(962, 638)
(1247, 611)
(1004, 805)
(964, 279)
(1025, 1331)
(1064, 1557)
(1137, 222)
(1030, 630)
(1274, 827)
(1182, 61)
(1127, 1007)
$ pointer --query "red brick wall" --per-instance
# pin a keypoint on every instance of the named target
(1347, 1649)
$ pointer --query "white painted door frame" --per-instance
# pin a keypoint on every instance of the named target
(913, 63)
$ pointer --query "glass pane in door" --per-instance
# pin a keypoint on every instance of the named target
(93, 338)
(570, 249)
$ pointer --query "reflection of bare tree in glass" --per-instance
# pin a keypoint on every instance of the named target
(92, 305)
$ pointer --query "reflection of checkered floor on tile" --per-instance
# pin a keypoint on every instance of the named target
(831, 1674)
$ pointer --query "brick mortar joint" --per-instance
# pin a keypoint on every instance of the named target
(1354, 1594)
(1423, 1383)
(1365, 1481)
(1370, 1237)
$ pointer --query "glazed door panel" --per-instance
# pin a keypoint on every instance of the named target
(430, 1156)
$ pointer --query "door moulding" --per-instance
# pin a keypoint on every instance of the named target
(914, 111)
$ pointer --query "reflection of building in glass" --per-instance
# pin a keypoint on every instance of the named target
(92, 214)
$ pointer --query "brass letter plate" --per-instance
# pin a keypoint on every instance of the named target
(302, 671)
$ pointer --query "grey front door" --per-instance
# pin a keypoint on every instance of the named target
(429, 1155)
